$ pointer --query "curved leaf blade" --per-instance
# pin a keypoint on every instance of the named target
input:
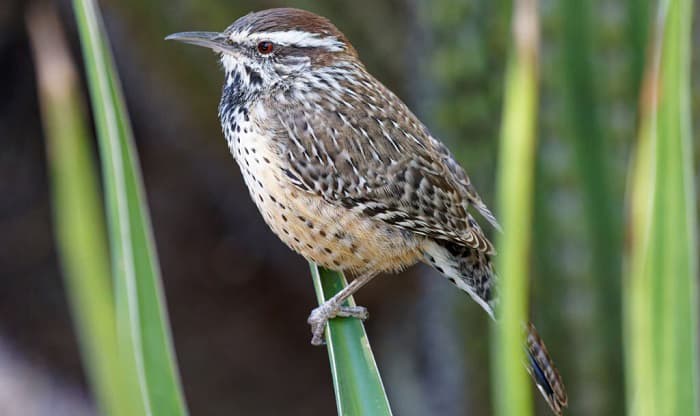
(357, 384)
(142, 321)
(661, 306)
(510, 385)
(78, 215)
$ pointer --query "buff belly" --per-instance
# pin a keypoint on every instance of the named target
(330, 235)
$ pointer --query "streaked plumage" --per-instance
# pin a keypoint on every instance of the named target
(343, 172)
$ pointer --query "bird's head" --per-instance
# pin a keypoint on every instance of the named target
(271, 49)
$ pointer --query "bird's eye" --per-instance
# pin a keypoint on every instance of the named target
(265, 47)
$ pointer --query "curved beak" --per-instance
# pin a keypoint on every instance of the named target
(212, 40)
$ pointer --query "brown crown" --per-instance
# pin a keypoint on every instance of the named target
(282, 19)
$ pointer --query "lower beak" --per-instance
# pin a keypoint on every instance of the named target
(212, 40)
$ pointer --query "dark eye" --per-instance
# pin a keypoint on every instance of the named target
(265, 47)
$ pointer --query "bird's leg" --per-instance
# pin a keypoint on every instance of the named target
(334, 307)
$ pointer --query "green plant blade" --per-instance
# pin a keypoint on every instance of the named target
(639, 12)
(510, 385)
(356, 380)
(78, 215)
(661, 280)
(601, 207)
(141, 315)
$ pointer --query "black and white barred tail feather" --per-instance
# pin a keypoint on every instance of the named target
(467, 268)
(471, 270)
(544, 373)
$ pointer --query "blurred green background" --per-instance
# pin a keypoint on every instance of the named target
(238, 298)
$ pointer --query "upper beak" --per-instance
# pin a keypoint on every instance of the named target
(212, 40)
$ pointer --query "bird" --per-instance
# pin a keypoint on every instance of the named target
(344, 173)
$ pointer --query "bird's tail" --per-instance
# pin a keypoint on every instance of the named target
(544, 373)
(471, 270)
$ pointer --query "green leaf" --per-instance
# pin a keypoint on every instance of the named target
(142, 324)
(78, 215)
(357, 384)
(510, 385)
(638, 19)
(601, 207)
(661, 281)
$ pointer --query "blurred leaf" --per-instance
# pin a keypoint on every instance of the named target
(661, 281)
(510, 385)
(141, 318)
(603, 216)
(78, 215)
(638, 13)
(357, 384)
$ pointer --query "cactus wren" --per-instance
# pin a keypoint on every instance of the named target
(343, 172)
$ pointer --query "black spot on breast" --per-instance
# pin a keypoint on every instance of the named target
(232, 97)
(255, 78)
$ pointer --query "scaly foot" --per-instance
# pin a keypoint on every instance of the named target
(329, 310)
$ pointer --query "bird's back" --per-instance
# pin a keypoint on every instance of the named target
(359, 146)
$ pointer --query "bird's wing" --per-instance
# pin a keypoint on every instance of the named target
(368, 152)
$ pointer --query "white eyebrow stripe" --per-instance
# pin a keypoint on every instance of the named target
(291, 37)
